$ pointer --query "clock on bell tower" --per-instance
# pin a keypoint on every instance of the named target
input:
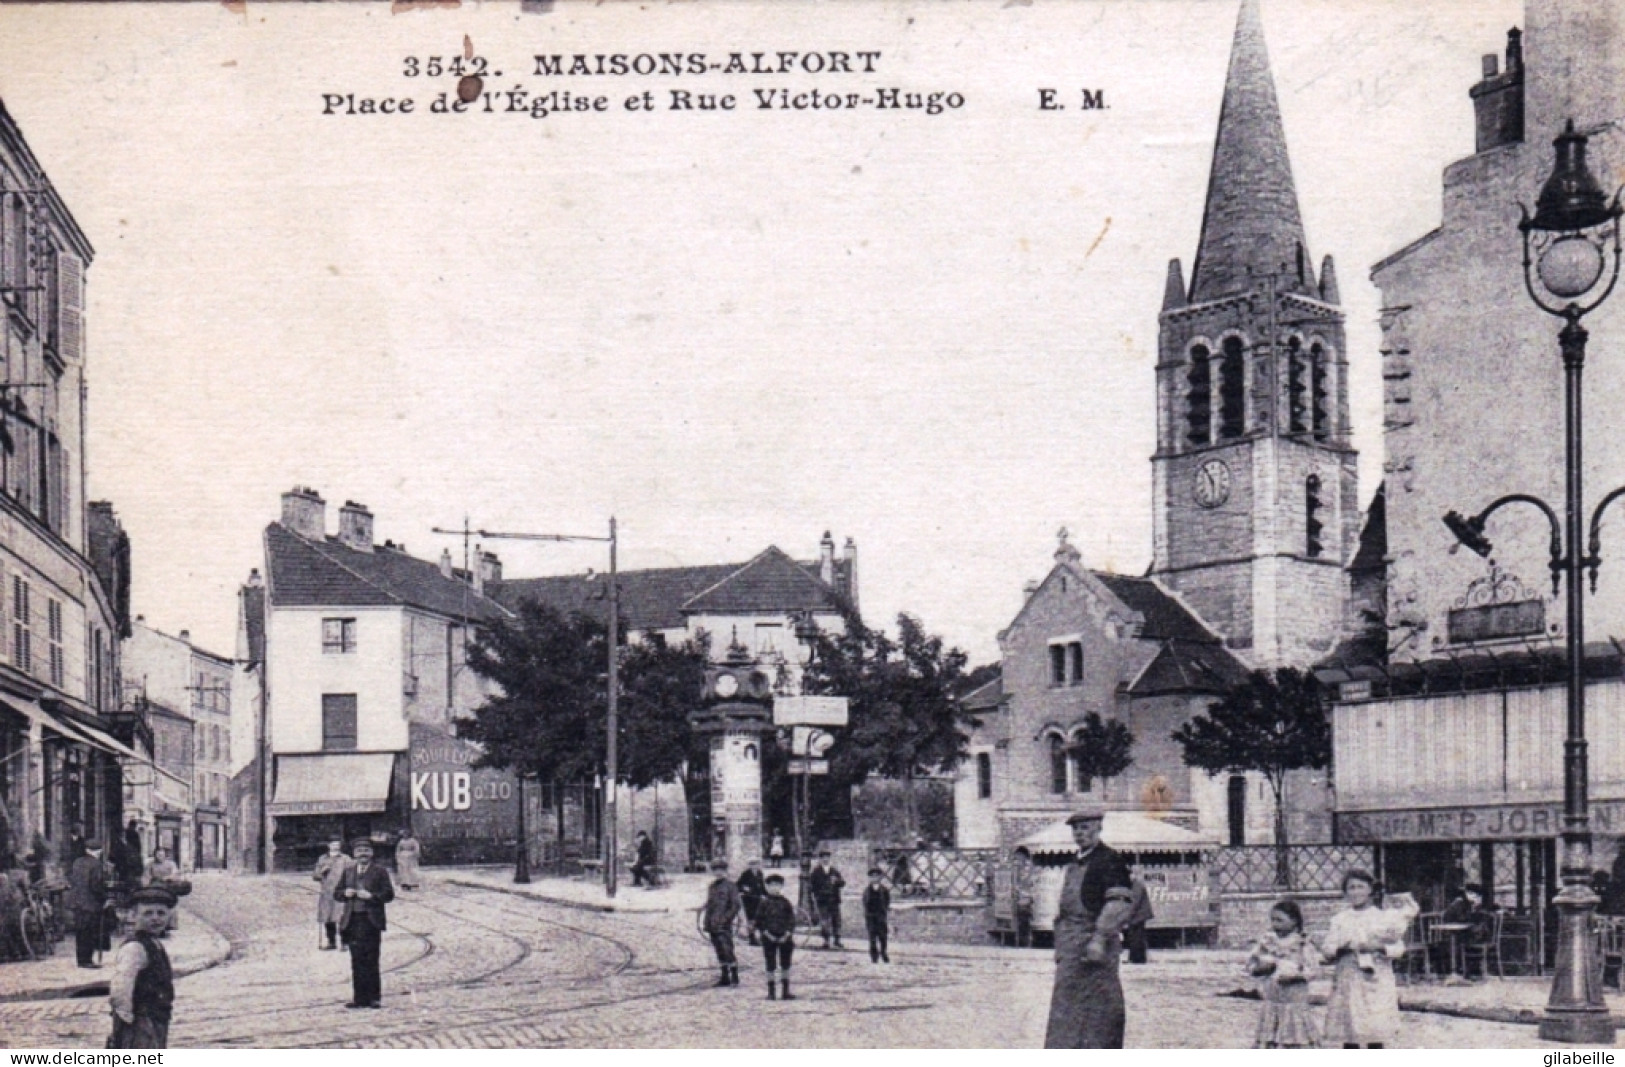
(1254, 477)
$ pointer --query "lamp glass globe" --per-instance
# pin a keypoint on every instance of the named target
(1570, 267)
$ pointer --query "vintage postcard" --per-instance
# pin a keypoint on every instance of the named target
(862, 524)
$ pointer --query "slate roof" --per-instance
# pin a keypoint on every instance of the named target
(663, 598)
(1373, 551)
(1251, 226)
(1165, 617)
(1187, 667)
(328, 573)
(254, 622)
(984, 697)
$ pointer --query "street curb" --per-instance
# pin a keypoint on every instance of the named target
(602, 909)
(218, 954)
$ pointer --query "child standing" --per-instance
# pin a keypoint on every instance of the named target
(1283, 960)
(143, 986)
(717, 919)
(876, 910)
(1363, 942)
(776, 926)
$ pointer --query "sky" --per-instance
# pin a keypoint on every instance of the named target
(934, 334)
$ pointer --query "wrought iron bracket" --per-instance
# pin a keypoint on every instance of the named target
(1470, 531)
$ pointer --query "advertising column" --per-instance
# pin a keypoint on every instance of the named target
(736, 796)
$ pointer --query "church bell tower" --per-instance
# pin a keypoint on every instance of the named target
(1254, 476)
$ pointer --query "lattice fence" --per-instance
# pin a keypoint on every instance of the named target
(938, 873)
(1304, 868)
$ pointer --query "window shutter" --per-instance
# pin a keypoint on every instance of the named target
(70, 330)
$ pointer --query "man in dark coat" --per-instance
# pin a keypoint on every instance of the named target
(826, 884)
(641, 873)
(87, 892)
(717, 920)
(1140, 913)
(364, 890)
(752, 888)
(876, 914)
(143, 987)
(1086, 1006)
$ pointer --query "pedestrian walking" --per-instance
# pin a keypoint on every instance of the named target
(329, 871)
(1283, 961)
(722, 906)
(776, 926)
(142, 991)
(1362, 943)
(876, 914)
(1086, 1006)
(408, 852)
(775, 850)
(1140, 912)
(826, 883)
(641, 874)
(752, 888)
(87, 893)
(1021, 889)
(363, 890)
(161, 872)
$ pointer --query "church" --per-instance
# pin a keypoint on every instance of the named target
(1256, 523)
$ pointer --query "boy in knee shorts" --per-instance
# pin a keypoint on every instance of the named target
(776, 926)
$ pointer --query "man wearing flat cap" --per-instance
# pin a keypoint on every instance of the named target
(362, 892)
(1086, 1006)
(143, 988)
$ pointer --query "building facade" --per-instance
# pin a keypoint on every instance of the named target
(169, 677)
(1255, 524)
(64, 565)
(1449, 735)
(362, 664)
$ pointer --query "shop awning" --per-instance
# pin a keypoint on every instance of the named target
(332, 783)
(1127, 831)
(85, 734)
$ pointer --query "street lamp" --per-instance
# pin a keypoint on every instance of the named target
(1567, 247)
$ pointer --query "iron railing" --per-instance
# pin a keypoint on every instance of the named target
(938, 873)
(1271, 868)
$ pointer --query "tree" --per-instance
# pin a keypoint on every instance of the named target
(549, 715)
(904, 715)
(1101, 748)
(1268, 723)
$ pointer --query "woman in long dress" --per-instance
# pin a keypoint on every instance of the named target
(1362, 943)
(407, 854)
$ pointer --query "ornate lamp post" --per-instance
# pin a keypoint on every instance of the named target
(1567, 247)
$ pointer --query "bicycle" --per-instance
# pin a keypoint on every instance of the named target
(38, 924)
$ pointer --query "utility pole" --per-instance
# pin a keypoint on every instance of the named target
(607, 833)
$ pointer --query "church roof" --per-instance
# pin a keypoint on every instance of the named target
(1187, 667)
(1165, 617)
(1251, 226)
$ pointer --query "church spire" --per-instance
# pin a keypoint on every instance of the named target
(1251, 227)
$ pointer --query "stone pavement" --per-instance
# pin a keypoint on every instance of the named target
(194, 947)
(684, 892)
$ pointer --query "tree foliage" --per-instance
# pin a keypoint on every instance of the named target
(549, 713)
(1269, 723)
(903, 699)
(1101, 748)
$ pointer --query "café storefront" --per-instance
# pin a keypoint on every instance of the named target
(1458, 786)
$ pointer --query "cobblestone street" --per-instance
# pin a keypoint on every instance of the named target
(467, 967)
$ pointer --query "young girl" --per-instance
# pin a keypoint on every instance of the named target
(1284, 960)
(1363, 941)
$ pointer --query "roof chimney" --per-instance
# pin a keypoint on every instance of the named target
(305, 512)
(185, 635)
(826, 559)
(355, 526)
(254, 580)
(849, 554)
(1498, 99)
(445, 563)
(490, 570)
